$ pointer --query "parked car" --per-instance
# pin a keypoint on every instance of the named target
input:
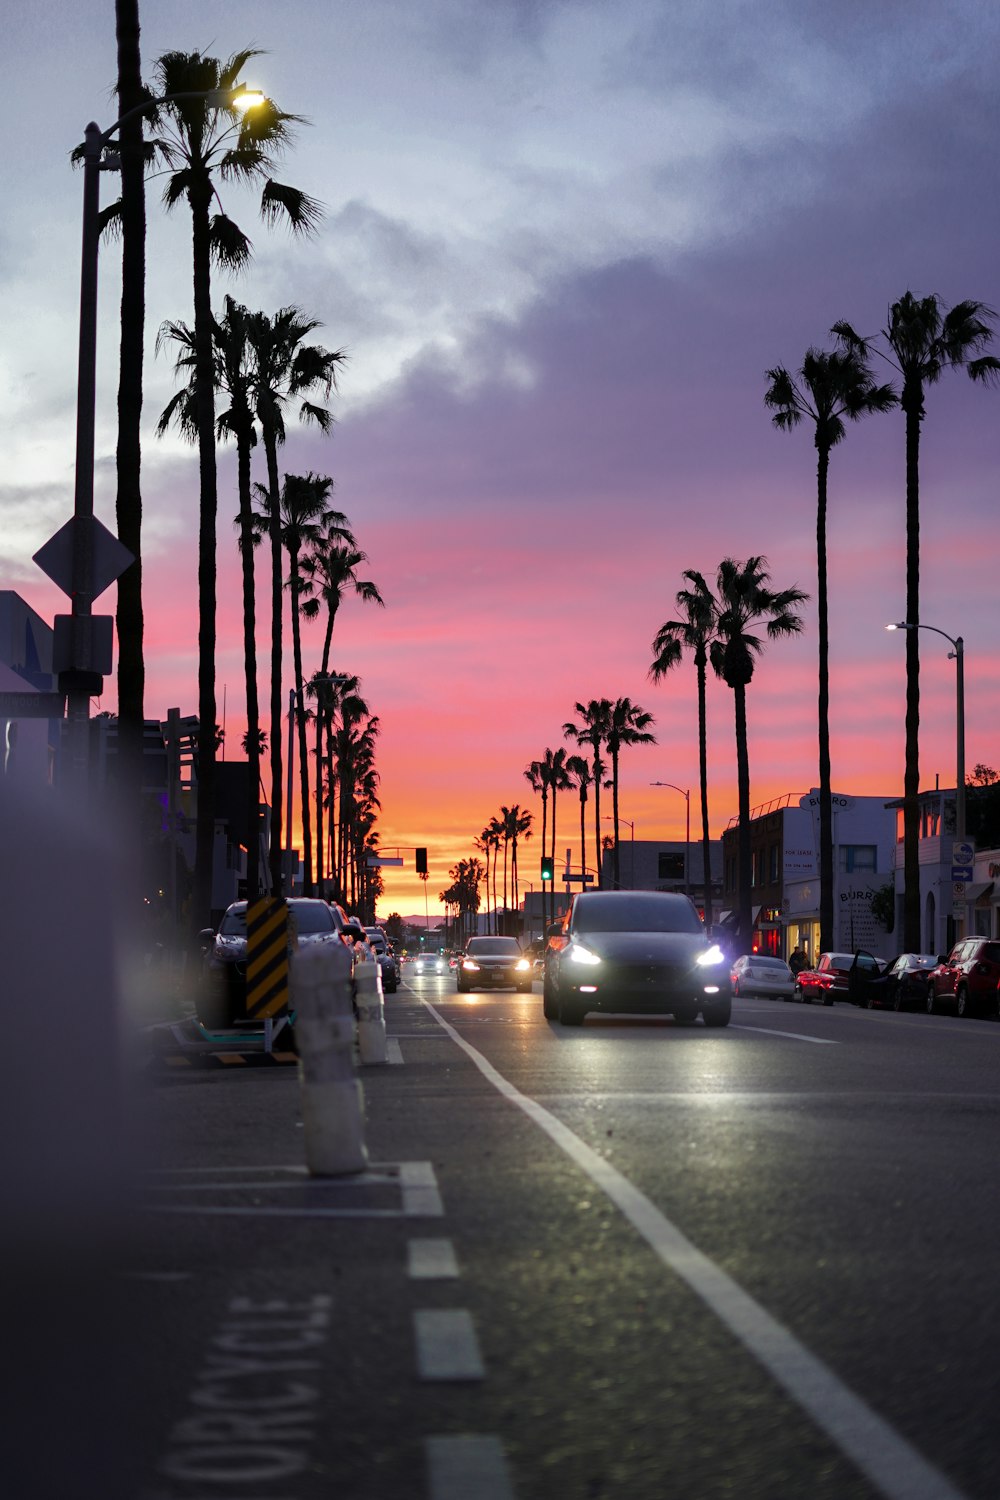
(828, 981)
(386, 960)
(221, 997)
(966, 981)
(903, 984)
(762, 974)
(644, 951)
(489, 962)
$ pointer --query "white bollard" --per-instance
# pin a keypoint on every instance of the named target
(332, 1101)
(372, 1042)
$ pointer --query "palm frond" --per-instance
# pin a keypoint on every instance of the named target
(986, 369)
(230, 247)
(302, 212)
(109, 220)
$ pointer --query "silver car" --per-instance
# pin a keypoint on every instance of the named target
(762, 974)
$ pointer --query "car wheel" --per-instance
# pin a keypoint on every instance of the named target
(460, 987)
(717, 1014)
(828, 997)
(930, 1002)
(897, 999)
(550, 1002)
(963, 1002)
(736, 986)
(571, 1013)
(686, 1015)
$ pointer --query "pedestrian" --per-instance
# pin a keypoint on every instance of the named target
(798, 961)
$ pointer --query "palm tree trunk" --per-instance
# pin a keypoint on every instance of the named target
(131, 667)
(200, 200)
(546, 903)
(614, 809)
(912, 403)
(553, 906)
(597, 816)
(706, 843)
(583, 835)
(274, 538)
(826, 937)
(250, 667)
(743, 787)
(307, 885)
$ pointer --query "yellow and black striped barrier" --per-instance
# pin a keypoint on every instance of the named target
(270, 937)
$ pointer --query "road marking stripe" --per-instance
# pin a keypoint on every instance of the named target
(447, 1347)
(393, 1051)
(797, 1036)
(421, 1198)
(892, 1464)
(467, 1465)
(431, 1260)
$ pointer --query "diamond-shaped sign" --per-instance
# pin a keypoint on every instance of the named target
(108, 558)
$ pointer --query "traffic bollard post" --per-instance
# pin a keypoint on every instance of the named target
(331, 1095)
(368, 1003)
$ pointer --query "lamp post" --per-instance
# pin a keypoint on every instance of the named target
(687, 846)
(958, 657)
(88, 657)
(632, 857)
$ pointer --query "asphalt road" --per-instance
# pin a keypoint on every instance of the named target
(629, 1260)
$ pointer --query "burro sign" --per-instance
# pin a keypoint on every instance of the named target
(857, 925)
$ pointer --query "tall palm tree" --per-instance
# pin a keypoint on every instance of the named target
(744, 603)
(559, 781)
(830, 386)
(923, 339)
(494, 833)
(628, 724)
(537, 775)
(342, 707)
(578, 769)
(286, 370)
(304, 517)
(202, 141)
(328, 571)
(518, 825)
(232, 374)
(692, 631)
(592, 730)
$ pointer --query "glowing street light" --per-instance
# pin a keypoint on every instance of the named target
(687, 846)
(958, 656)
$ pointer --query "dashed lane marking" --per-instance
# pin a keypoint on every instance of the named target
(447, 1347)
(796, 1036)
(431, 1260)
(895, 1468)
(393, 1051)
(466, 1465)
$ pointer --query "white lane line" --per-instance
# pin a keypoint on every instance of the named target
(447, 1347)
(431, 1260)
(892, 1464)
(421, 1198)
(797, 1036)
(392, 1050)
(465, 1466)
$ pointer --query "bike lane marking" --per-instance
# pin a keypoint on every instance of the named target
(896, 1469)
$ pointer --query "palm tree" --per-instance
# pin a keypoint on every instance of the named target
(559, 781)
(595, 718)
(328, 571)
(304, 518)
(518, 825)
(286, 369)
(923, 340)
(578, 767)
(203, 140)
(537, 775)
(493, 834)
(628, 724)
(830, 387)
(232, 376)
(339, 694)
(745, 602)
(694, 631)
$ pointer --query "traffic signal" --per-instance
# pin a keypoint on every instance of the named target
(421, 861)
(548, 867)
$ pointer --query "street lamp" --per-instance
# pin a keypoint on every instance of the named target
(958, 657)
(687, 847)
(86, 660)
(632, 827)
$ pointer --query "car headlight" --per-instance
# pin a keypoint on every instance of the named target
(522, 965)
(712, 955)
(578, 954)
(471, 965)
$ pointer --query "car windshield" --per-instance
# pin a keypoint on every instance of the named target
(764, 961)
(614, 911)
(503, 947)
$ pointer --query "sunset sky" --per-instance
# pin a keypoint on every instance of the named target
(562, 244)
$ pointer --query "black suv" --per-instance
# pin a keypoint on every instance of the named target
(966, 982)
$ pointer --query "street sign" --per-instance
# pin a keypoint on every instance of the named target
(108, 557)
(961, 872)
(963, 852)
(382, 859)
(571, 879)
(32, 705)
(958, 890)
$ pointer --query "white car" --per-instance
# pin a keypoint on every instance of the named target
(762, 974)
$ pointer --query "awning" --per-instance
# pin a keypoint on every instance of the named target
(975, 892)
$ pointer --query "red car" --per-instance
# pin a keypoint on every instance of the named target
(966, 981)
(828, 981)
